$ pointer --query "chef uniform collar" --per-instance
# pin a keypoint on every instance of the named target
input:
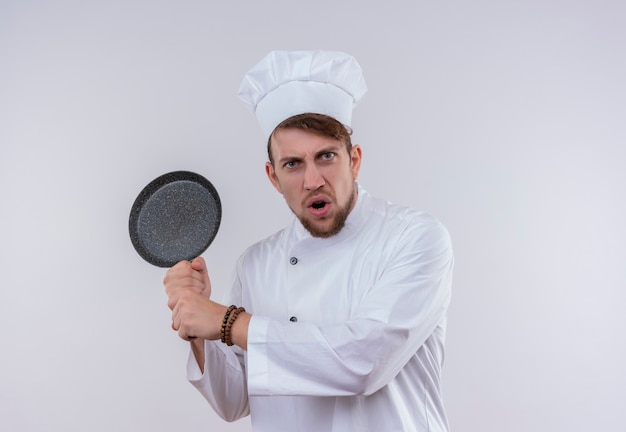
(287, 83)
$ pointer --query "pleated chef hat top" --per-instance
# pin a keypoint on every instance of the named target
(287, 83)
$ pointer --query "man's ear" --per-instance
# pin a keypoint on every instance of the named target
(356, 155)
(271, 175)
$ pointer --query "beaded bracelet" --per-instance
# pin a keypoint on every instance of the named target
(231, 320)
(225, 321)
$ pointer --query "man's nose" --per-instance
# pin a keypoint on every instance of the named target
(313, 178)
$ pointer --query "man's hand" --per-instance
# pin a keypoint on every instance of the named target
(188, 289)
(187, 277)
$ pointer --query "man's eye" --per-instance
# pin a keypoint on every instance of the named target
(328, 156)
(290, 164)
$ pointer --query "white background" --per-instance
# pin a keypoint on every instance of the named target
(504, 119)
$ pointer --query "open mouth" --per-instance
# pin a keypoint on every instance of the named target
(319, 206)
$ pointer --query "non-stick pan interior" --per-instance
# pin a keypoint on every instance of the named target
(175, 217)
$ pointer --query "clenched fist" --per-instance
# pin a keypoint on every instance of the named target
(194, 314)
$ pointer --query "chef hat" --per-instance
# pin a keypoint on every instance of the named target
(287, 83)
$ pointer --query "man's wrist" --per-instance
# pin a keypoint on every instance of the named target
(239, 330)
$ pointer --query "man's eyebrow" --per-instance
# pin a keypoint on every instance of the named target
(289, 159)
(331, 149)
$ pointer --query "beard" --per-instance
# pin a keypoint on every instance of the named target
(338, 221)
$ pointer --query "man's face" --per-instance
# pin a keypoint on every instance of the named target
(316, 175)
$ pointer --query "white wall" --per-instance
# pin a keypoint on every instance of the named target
(504, 119)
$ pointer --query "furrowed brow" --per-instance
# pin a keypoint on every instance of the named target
(286, 159)
(332, 149)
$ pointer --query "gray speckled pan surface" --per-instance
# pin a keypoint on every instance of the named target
(175, 217)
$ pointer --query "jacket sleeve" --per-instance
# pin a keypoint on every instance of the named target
(395, 317)
(223, 383)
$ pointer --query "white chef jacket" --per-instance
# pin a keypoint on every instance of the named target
(347, 333)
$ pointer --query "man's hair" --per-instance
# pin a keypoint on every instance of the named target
(318, 124)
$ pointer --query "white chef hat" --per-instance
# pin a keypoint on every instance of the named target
(287, 83)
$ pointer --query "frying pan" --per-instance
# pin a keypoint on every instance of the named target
(174, 218)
